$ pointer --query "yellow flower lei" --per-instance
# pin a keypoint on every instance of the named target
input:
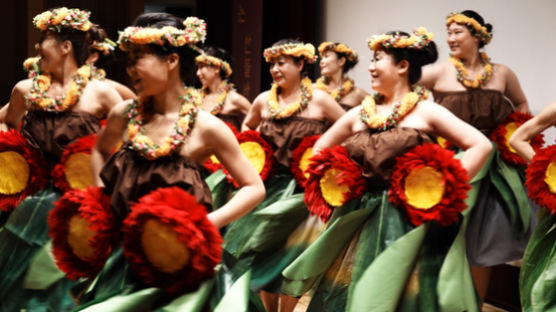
(338, 48)
(143, 145)
(463, 75)
(368, 110)
(481, 31)
(41, 83)
(293, 108)
(420, 39)
(205, 59)
(57, 18)
(307, 51)
(337, 94)
(225, 86)
(195, 31)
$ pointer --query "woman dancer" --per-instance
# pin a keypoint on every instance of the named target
(370, 257)
(219, 96)
(484, 94)
(336, 59)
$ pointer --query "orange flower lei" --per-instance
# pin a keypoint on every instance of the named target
(225, 86)
(205, 59)
(41, 83)
(337, 94)
(57, 18)
(338, 48)
(293, 108)
(374, 121)
(420, 39)
(463, 75)
(481, 31)
(307, 51)
(144, 145)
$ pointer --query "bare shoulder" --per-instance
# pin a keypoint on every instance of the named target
(319, 94)
(121, 109)
(502, 70)
(123, 90)
(261, 98)
(23, 86)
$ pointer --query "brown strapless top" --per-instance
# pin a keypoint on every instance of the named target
(128, 176)
(51, 132)
(376, 151)
(234, 120)
(484, 109)
(285, 134)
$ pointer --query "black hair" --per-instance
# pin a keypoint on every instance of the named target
(221, 54)
(474, 15)
(98, 35)
(417, 58)
(349, 64)
(306, 66)
(78, 41)
(186, 54)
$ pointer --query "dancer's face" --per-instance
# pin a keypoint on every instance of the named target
(50, 51)
(460, 41)
(383, 72)
(207, 74)
(284, 69)
(330, 63)
(148, 72)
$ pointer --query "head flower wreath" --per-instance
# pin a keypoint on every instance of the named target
(350, 54)
(210, 60)
(304, 50)
(195, 31)
(56, 19)
(105, 47)
(420, 39)
(480, 31)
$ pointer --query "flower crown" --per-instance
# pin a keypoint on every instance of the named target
(105, 47)
(307, 51)
(338, 48)
(480, 31)
(63, 17)
(420, 39)
(195, 31)
(210, 60)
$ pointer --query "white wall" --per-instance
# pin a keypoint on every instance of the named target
(524, 35)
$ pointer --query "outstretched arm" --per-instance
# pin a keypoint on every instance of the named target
(520, 139)
(17, 107)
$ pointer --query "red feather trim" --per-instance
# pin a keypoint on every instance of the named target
(94, 206)
(255, 136)
(85, 145)
(298, 152)
(535, 175)
(13, 141)
(180, 210)
(351, 175)
(456, 184)
(498, 135)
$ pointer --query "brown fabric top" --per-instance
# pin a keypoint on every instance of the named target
(483, 109)
(377, 151)
(234, 120)
(128, 176)
(285, 134)
(51, 132)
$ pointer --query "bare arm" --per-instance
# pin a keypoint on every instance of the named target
(330, 108)
(17, 108)
(520, 139)
(254, 115)
(445, 124)
(108, 138)
(3, 113)
(252, 191)
(343, 128)
(514, 92)
(123, 90)
(240, 102)
(430, 75)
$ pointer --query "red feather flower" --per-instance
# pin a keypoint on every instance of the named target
(429, 184)
(504, 131)
(258, 151)
(541, 178)
(83, 231)
(22, 170)
(334, 179)
(74, 170)
(169, 240)
(300, 159)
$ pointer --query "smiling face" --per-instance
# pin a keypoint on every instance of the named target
(207, 74)
(285, 70)
(384, 72)
(50, 51)
(460, 41)
(147, 71)
(330, 63)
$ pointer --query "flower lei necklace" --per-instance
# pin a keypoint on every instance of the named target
(293, 108)
(225, 86)
(337, 94)
(144, 145)
(463, 75)
(368, 111)
(41, 83)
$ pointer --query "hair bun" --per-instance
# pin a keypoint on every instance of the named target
(488, 27)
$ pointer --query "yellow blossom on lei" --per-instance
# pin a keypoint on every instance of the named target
(350, 54)
(463, 75)
(205, 59)
(420, 39)
(293, 108)
(481, 31)
(339, 93)
(306, 51)
(56, 19)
